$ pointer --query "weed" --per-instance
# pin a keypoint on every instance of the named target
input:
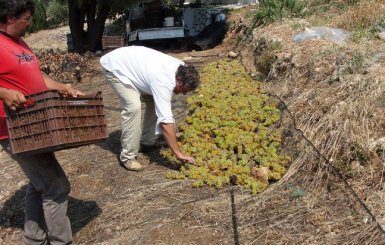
(359, 154)
(333, 80)
(265, 54)
(271, 10)
(265, 61)
(298, 26)
(381, 23)
(362, 16)
(360, 34)
(357, 62)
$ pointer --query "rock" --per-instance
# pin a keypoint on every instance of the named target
(261, 173)
(366, 219)
(108, 230)
(21, 183)
(377, 143)
(341, 104)
(356, 166)
(232, 54)
(99, 53)
(381, 35)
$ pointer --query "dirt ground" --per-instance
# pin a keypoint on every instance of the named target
(108, 204)
(312, 204)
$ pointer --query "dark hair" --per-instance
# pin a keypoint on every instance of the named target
(188, 75)
(15, 8)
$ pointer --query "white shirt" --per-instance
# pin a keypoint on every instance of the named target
(148, 71)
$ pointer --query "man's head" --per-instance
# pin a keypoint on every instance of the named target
(16, 16)
(187, 79)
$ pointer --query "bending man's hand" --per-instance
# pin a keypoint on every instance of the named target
(12, 98)
(170, 137)
(184, 157)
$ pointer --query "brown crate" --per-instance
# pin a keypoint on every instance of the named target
(53, 123)
(111, 42)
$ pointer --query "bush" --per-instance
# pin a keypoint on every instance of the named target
(39, 17)
(271, 10)
(57, 12)
(364, 19)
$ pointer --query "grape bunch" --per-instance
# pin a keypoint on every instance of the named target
(230, 131)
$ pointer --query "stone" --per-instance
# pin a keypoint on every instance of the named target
(261, 173)
(356, 166)
(99, 53)
(377, 143)
(381, 35)
(232, 54)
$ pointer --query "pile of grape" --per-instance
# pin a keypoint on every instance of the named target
(229, 131)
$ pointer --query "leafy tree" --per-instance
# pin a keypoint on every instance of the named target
(94, 13)
(57, 12)
(39, 17)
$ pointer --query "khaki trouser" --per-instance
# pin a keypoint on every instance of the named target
(46, 199)
(132, 133)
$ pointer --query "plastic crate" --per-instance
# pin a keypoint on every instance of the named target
(111, 42)
(50, 122)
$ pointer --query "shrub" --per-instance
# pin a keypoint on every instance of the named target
(271, 10)
(39, 17)
(363, 15)
(57, 12)
(265, 54)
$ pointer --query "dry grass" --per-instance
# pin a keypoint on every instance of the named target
(362, 15)
(327, 213)
(336, 94)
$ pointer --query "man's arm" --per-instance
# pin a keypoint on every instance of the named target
(64, 89)
(170, 137)
(12, 98)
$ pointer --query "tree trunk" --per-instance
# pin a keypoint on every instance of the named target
(96, 18)
(96, 13)
(76, 11)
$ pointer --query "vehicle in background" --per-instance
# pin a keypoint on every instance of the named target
(155, 20)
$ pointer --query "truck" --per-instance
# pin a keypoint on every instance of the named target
(156, 20)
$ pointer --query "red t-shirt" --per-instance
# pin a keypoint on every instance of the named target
(19, 70)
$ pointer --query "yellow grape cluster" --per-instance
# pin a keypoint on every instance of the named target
(229, 131)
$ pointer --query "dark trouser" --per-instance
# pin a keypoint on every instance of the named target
(46, 199)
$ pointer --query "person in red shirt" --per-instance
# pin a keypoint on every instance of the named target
(46, 200)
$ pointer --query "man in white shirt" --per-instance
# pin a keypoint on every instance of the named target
(138, 73)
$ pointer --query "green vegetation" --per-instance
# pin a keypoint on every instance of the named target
(358, 15)
(57, 12)
(39, 17)
(271, 10)
(265, 54)
(229, 132)
(49, 13)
